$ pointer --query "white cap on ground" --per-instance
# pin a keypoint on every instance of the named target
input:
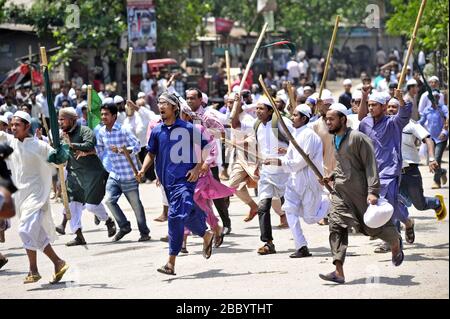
(377, 97)
(347, 82)
(23, 115)
(140, 95)
(339, 107)
(411, 82)
(304, 109)
(118, 99)
(378, 215)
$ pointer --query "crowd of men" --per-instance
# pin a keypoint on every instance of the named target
(365, 143)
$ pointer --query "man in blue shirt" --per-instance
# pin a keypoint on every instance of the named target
(172, 144)
(111, 137)
(64, 96)
(434, 118)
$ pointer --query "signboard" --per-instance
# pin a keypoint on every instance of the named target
(141, 25)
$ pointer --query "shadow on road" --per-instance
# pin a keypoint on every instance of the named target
(71, 284)
(217, 273)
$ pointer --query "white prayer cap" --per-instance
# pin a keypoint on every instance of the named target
(307, 88)
(8, 115)
(411, 82)
(283, 97)
(4, 119)
(205, 98)
(141, 95)
(378, 215)
(68, 112)
(357, 95)
(433, 78)
(408, 67)
(347, 82)
(304, 109)
(84, 87)
(23, 115)
(108, 100)
(264, 100)
(394, 101)
(327, 97)
(118, 99)
(339, 107)
(377, 97)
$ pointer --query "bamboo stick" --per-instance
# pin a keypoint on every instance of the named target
(411, 45)
(330, 54)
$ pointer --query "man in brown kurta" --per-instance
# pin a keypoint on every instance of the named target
(357, 184)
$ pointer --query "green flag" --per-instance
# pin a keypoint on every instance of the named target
(94, 117)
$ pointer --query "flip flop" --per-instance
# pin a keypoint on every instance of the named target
(207, 251)
(29, 279)
(58, 276)
(397, 260)
(250, 216)
(442, 212)
(332, 277)
(219, 240)
(166, 270)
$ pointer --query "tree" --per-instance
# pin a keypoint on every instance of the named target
(432, 34)
(102, 23)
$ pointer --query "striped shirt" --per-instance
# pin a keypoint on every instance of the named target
(118, 136)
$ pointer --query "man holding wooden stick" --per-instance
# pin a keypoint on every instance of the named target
(86, 177)
(111, 137)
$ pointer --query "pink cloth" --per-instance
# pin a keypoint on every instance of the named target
(207, 189)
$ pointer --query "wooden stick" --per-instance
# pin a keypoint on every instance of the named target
(89, 97)
(227, 61)
(130, 55)
(44, 62)
(249, 65)
(291, 95)
(170, 81)
(291, 138)
(330, 54)
(130, 161)
(229, 142)
(411, 45)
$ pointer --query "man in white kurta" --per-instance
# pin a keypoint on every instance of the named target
(272, 178)
(31, 173)
(304, 195)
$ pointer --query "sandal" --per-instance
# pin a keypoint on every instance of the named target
(267, 249)
(166, 270)
(218, 241)
(29, 279)
(250, 216)
(397, 260)
(441, 213)
(207, 251)
(58, 276)
(409, 233)
(332, 277)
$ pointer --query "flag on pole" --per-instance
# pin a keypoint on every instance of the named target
(94, 114)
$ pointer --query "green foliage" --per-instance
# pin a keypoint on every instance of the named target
(103, 22)
(432, 34)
